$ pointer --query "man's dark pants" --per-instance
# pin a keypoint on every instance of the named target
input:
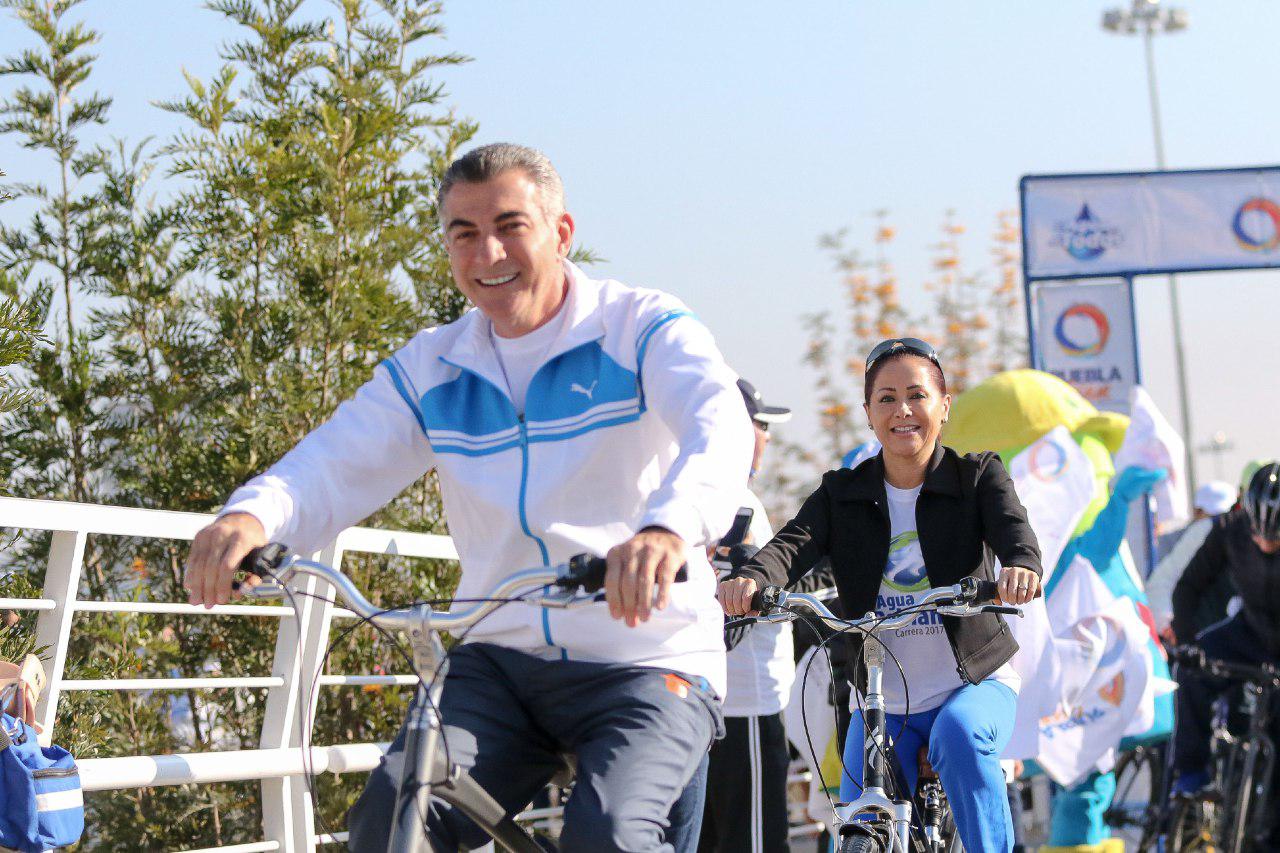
(747, 788)
(638, 735)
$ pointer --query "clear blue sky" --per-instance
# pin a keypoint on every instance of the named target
(705, 146)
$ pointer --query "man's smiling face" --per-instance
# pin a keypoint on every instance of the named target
(505, 250)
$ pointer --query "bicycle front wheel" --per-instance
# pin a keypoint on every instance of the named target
(1193, 827)
(860, 843)
(1139, 793)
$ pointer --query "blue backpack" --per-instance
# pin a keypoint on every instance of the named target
(41, 804)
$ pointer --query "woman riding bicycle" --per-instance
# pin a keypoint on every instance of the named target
(916, 516)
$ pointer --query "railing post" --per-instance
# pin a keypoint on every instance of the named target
(287, 816)
(53, 627)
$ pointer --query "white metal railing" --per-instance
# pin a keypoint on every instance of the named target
(288, 822)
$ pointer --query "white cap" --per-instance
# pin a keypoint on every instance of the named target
(1215, 497)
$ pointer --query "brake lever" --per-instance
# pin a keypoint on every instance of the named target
(264, 591)
(561, 599)
(972, 609)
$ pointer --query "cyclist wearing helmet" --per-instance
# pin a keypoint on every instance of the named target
(918, 515)
(1245, 543)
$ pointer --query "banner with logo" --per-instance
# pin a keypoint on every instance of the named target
(1084, 335)
(1131, 223)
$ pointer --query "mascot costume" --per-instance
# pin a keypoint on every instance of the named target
(1008, 414)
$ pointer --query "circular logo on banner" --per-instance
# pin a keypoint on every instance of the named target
(1257, 225)
(1082, 329)
(1047, 461)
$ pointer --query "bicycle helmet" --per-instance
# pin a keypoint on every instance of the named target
(1262, 501)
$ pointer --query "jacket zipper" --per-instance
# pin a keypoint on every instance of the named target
(524, 525)
(524, 483)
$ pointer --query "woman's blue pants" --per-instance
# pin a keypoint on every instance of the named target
(965, 736)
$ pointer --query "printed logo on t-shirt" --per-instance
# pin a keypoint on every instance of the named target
(905, 569)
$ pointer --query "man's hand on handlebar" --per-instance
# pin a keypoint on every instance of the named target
(215, 557)
(735, 596)
(650, 558)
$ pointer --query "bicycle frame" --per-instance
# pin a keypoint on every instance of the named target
(425, 771)
(1242, 764)
(874, 799)
(1255, 755)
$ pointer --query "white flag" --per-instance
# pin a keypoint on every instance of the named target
(1107, 671)
(1054, 481)
(1151, 442)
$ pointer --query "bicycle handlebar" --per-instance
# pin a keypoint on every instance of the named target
(1195, 658)
(275, 563)
(967, 598)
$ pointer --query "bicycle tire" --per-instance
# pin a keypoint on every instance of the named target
(1192, 827)
(861, 843)
(1236, 828)
(1124, 812)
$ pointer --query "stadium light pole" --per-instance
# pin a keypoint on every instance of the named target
(1148, 17)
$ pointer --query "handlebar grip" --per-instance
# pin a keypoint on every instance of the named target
(1001, 608)
(588, 572)
(987, 591)
(249, 563)
(765, 598)
(1191, 656)
(262, 562)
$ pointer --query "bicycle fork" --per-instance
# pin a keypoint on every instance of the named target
(422, 733)
(875, 769)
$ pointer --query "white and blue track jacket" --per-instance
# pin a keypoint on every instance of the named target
(632, 420)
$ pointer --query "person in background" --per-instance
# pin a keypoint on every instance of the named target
(1244, 544)
(746, 802)
(1212, 500)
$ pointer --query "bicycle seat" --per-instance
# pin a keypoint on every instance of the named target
(925, 769)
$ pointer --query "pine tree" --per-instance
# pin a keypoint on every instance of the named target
(55, 450)
(975, 323)
(19, 335)
(195, 340)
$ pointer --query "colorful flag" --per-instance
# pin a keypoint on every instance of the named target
(1054, 481)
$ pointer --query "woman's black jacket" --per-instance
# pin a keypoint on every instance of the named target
(967, 510)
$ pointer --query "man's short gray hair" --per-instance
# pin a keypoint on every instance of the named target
(488, 161)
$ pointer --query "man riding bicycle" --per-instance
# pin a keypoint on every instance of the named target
(563, 415)
(1245, 543)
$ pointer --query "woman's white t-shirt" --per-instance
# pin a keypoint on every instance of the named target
(921, 647)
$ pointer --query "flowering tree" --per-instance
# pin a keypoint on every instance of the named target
(972, 315)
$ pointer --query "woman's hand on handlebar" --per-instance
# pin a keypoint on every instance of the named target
(215, 557)
(1018, 585)
(735, 596)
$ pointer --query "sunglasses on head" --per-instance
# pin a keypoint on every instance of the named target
(915, 346)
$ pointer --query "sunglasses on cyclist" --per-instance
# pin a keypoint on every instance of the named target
(914, 346)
